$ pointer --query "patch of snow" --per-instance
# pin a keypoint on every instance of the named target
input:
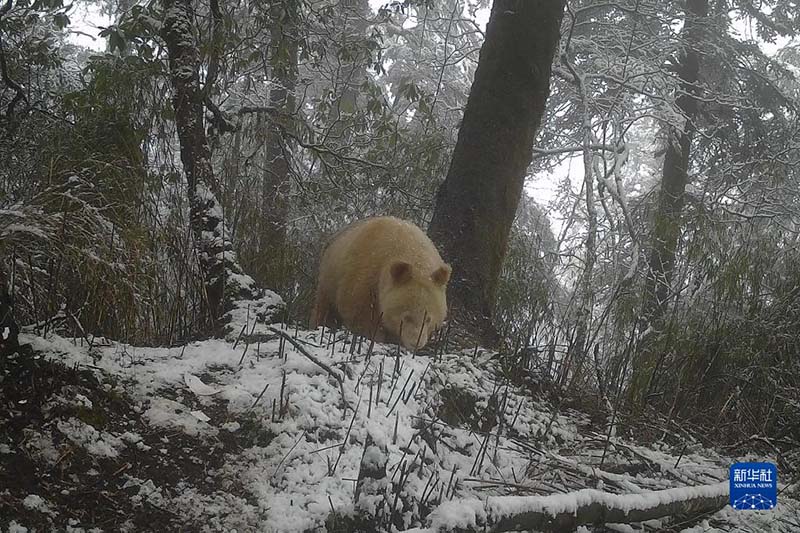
(148, 492)
(14, 527)
(464, 513)
(505, 506)
(245, 312)
(201, 416)
(98, 443)
(197, 386)
(83, 401)
(221, 511)
(132, 438)
(34, 502)
(41, 446)
(167, 413)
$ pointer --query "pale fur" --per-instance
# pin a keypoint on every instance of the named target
(357, 289)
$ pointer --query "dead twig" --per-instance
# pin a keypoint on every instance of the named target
(277, 468)
(314, 360)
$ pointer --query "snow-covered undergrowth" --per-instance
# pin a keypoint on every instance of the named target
(261, 439)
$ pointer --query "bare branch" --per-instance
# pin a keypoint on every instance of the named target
(542, 152)
(299, 347)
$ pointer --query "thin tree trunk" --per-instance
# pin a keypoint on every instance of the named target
(476, 204)
(579, 346)
(213, 247)
(9, 330)
(667, 220)
(576, 355)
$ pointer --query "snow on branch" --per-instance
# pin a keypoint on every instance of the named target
(565, 512)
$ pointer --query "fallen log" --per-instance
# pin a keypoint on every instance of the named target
(565, 512)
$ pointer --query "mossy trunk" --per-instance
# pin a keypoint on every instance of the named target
(667, 219)
(212, 241)
(476, 204)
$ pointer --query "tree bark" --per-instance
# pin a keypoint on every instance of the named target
(214, 249)
(272, 268)
(667, 219)
(476, 204)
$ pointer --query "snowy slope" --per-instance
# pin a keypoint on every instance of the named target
(278, 449)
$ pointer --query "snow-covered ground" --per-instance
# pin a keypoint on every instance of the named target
(249, 434)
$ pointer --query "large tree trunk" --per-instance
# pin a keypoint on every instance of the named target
(214, 249)
(272, 268)
(667, 219)
(476, 204)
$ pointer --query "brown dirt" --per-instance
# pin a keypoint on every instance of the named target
(85, 490)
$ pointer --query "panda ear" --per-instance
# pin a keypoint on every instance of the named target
(401, 272)
(441, 275)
